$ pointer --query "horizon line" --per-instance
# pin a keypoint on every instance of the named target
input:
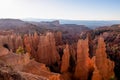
(66, 19)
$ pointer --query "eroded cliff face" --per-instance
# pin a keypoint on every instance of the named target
(42, 48)
(73, 61)
(3, 51)
(20, 67)
(65, 60)
(83, 60)
(47, 52)
(104, 66)
(12, 42)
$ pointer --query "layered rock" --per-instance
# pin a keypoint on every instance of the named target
(65, 60)
(16, 61)
(96, 75)
(58, 38)
(104, 66)
(47, 52)
(83, 60)
(3, 51)
(6, 73)
(42, 48)
(12, 42)
(30, 44)
(20, 67)
(40, 69)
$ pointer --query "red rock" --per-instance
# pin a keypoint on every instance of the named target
(104, 65)
(58, 38)
(83, 60)
(47, 52)
(12, 41)
(65, 60)
(3, 51)
(15, 60)
(96, 75)
(41, 70)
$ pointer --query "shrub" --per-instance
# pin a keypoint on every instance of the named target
(20, 50)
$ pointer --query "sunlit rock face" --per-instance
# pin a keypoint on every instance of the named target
(3, 51)
(16, 61)
(58, 38)
(40, 69)
(24, 68)
(47, 52)
(31, 43)
(83, 60)
(42, 47)
(96, 75)
(104, 67)
(65, 60)
(12, 42)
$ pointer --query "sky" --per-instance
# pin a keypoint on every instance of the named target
(61, 9)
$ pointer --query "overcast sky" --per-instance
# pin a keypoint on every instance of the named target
(61, 9)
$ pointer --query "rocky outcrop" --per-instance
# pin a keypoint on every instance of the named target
(31, 44)
(40, 69)
(16, 61)
(20, 67)
(3, 51)
(47, 52)
(96, 75)
(6, 73)
(42, 48)
(83, 60)
(104, 67)
(65, 60)
(12, 42)
(58, 38)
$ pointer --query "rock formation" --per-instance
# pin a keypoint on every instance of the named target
(58, 38)
(105, 67)
(3, 51)
(47, 52)
(28, 43)
(16, 61)
(83, 60)
(42, 48)
(20, 67)
(12, 42)
(40, 69)
(96, 75)
(65, 60)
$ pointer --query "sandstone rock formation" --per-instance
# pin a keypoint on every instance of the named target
(65, 60)
(105, 67)
(42, 48)
(47, 52)
(58, 38)
(83, 60)
(96, 75)
(3, 51)
(6, 73)
(12, 42)
(16, 61)
(40, 69)
(20, 67)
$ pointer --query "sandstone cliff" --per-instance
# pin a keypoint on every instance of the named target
(65, 60)
(83, 60)
(47, 52)
(104, 67)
